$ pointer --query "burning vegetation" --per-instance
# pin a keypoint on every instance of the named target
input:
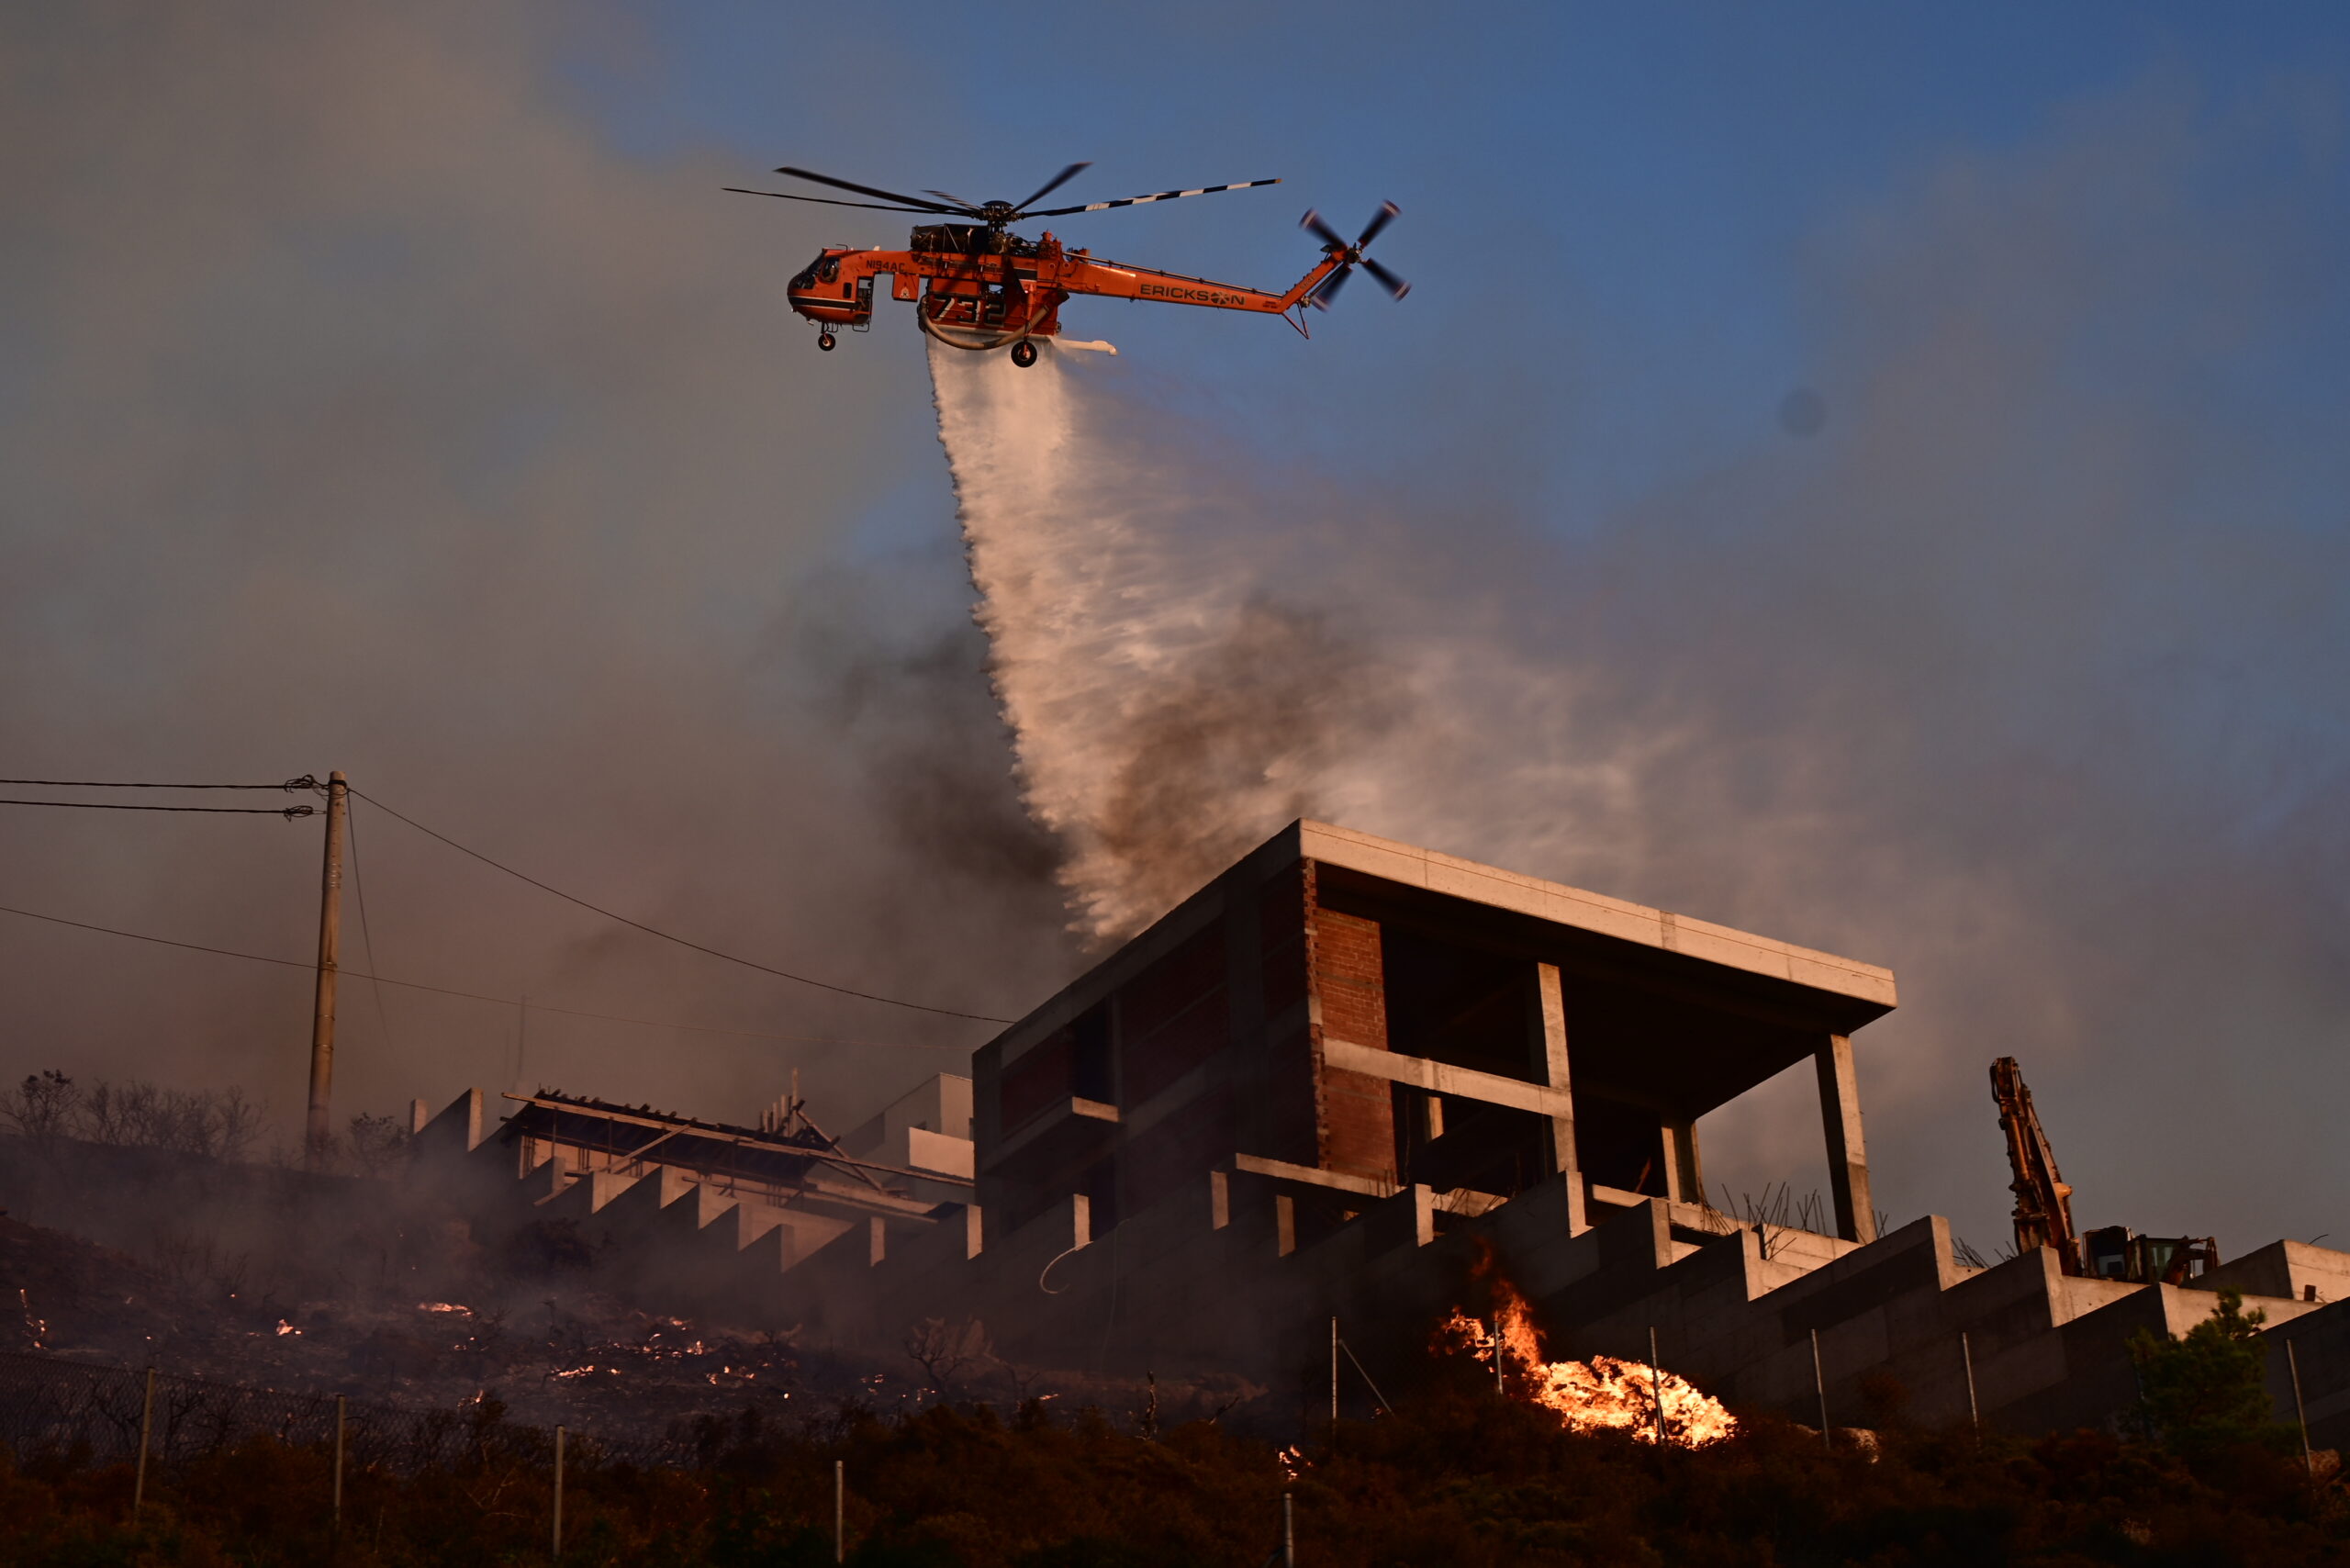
(1600, 1395)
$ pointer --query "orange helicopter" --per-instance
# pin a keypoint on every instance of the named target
(977, 286)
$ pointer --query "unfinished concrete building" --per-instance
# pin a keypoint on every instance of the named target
(1332, 1082)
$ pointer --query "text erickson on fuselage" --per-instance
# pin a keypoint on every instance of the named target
(1189, 296)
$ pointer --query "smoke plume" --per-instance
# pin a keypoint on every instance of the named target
(1168, 707)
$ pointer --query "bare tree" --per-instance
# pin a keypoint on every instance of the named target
(1146, 1425)
(377, 1143)
(943, 1349)
(104, 1115)
(237, 1124)
(1022, 1379)
(218, 1123)
(44, 1106)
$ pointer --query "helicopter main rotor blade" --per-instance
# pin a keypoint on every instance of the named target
(971, 206)
(915, 202)
(1055, 182)
(1396, 286)
(1313, 223)
(1381, 219)
(827, 201)
(1137, 201)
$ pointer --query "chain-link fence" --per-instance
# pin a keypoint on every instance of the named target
(96, 1414)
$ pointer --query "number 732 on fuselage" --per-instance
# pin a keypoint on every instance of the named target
(977, 286)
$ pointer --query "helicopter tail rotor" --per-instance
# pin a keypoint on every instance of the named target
(1350, 255)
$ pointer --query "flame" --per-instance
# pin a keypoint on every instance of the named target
(1601, 1393)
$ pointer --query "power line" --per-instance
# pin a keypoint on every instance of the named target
(666, 936)
(304, 782)
(475, 995)
(288, 813)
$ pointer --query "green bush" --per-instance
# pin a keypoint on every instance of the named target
(2207, 1392)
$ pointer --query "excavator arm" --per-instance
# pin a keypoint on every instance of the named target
(2043, 1213)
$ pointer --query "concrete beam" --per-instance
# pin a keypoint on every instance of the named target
(1337, 1181)
(1443, 1078)
(1848, 1158)
(1490, 885)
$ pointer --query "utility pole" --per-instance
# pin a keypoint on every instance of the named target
(321, 1129)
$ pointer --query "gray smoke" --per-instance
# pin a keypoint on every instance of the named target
(365, 408)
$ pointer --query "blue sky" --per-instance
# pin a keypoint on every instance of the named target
(1634, 190)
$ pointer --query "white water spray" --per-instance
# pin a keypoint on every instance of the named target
(1169, 708)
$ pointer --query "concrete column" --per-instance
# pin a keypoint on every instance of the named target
(1550, 1022)
(1685, 1178)
(1848, 1160)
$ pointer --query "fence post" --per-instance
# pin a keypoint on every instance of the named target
(1820, 1382)
(840, 1511)
(558, 1492)
(1334, 1379)
(338, 1463)
(146, 1425)
(1656, 1385)
(1974, 1411)
(2301, 1412)
(1288, 1532)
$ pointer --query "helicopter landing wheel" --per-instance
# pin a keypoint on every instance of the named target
(825, 340)
(1024, 353)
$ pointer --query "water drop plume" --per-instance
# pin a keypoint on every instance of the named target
(1167, 711)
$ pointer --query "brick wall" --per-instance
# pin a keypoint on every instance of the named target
(1356, 1113)
(1349, 979)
